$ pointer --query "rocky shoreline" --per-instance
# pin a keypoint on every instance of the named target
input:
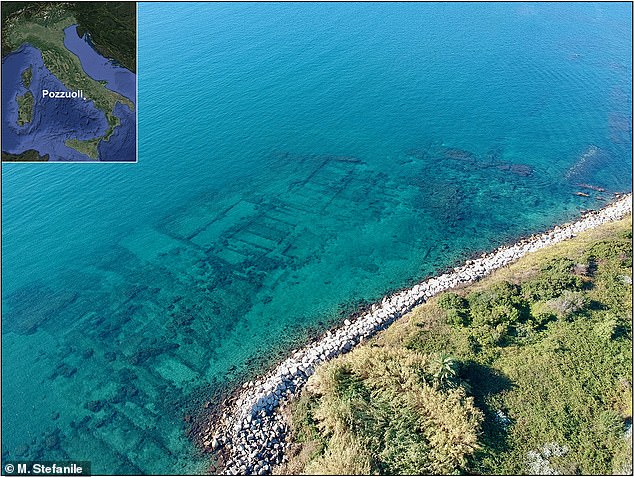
(251, 433)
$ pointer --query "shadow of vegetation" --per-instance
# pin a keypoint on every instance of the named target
(595, 305)
(485, 382)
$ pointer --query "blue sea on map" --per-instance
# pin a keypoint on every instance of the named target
(122, 144)
(296, 161)
(119, 79)
(54, 121)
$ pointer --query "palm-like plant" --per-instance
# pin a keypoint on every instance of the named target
(447, 370)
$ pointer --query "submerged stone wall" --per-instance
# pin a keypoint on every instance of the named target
(251, 433)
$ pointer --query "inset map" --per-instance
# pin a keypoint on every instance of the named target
(69, 81)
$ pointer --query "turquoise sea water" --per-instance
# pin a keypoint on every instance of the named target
(294, 161)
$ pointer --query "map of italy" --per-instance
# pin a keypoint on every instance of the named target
(68, 81)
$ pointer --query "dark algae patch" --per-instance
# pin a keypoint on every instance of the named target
(525, 372)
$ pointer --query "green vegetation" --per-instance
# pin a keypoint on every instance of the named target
(112, 29)
(29, 155)
(111, 25)
(27, 75)
(388, 411)
(88, 146)
(25, 108)
(535, 362)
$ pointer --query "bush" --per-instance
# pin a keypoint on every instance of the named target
(451, 301)
(541, 314)
(607, 329)
(562, 307)
(553, 280)
(456, 307)
(567, 303)
(499, 304)
(488, 338)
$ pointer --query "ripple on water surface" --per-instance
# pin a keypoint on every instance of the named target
(310, 160)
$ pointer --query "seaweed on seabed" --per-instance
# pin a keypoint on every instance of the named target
(126, 392)
(459, 155)
(142, 355)
(63, 369)
(48, 445)
(417, 153)
(94, 405)
(32, 306)
(522, 170)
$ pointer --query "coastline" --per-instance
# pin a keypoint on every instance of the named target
(249, 435)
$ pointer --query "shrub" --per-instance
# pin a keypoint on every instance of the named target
(451, 300)
(607, 329)
(456, 307)
(554, 278)
(562, 307)
(541, 314)
(500, 304)
(567, 303)
(490, 337)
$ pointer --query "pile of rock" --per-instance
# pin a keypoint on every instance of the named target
(252, 433)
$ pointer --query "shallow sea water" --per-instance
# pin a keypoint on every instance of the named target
(295, 161)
